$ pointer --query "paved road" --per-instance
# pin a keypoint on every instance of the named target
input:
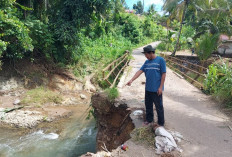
(187, 110)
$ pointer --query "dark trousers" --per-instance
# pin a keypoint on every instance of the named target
(150, 98)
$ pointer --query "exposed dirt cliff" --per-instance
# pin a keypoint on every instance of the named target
(113, 122)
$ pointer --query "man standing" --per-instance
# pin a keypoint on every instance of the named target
(155, 72)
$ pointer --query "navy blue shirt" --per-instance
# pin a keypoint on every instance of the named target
(153, 70)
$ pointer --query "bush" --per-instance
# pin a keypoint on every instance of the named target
(132, 27)
(93, 54)
(185, 41)
(219, 82)
(205, 45)
(152, 30)
(167, 43)
(15, 40)
(188, 31)
(112, 93)
(161, 46)
(42, 38)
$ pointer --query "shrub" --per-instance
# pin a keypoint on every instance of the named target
(188, 31)
(152, 30)
(219, 82)
(112, 93)
(161, 46)
(132, 27)
(167, 43)
(205, 45)
(15, 40)
(42, 38)
(93, 54)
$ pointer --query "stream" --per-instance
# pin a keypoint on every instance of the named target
(68, 137)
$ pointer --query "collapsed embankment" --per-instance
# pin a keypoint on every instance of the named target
(113, 122)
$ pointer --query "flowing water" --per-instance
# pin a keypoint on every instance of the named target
(69, 137)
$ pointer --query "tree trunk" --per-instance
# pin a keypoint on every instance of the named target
(178, 39)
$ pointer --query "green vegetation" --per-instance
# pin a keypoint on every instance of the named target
(186, 42)
(14, 35)
(167, 43)
(112, 93)
(85, 35)
(144, 135)
(138, 7)
(40, 96)
(197, 25)
(81, 35)
(201, 16)
(205, 45)
(219, 82)
(91, 113)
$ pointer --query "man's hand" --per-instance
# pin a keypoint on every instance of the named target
(129, 83)
(159, 92)
(137, 74)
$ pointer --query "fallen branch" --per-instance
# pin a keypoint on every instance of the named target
(12, 109)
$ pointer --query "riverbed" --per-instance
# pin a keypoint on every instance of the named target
(66, 137)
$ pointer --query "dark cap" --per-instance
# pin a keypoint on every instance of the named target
(148, 49)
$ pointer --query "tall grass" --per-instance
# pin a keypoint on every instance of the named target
(94, 54)
(112, 93)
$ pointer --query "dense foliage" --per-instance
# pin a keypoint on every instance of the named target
(205, 45)
(72, 32)
(112, 93)
(219, 82)
(186, 42)
(203, 16)
(138, 7)
(14, 35)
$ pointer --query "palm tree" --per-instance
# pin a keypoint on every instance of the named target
(176, 7)
(212, 13)
(214, 16)
(151, 9)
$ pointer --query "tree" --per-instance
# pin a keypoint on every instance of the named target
(118, 7)
(134, 6)
(124, 4)
(208, 15)
(151, 9)
(15, 40)
(138, 7)
(213, 16)
(68, 17)
(173, 6)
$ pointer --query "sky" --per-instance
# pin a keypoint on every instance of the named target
(147, 3)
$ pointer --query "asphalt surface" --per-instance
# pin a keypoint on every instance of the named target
(187, 110)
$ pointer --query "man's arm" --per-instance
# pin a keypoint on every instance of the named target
(137, 74)
(161, 84)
